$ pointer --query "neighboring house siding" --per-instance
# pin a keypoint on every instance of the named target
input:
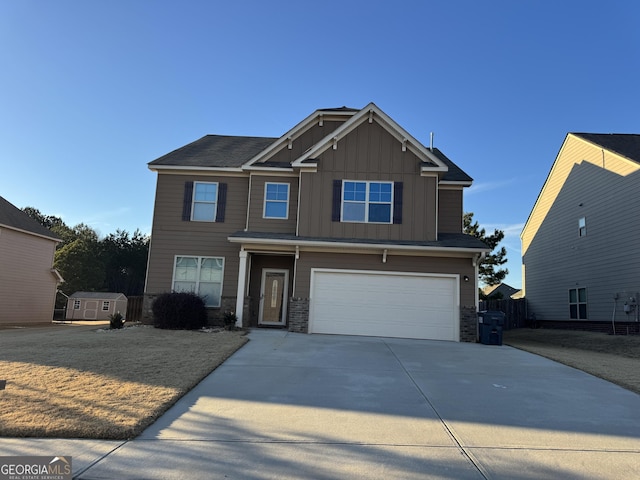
(172, 236)
(27, 286)
(368, 153)
(605, 260)
(449, 210)
(256, 209)
(394, 263)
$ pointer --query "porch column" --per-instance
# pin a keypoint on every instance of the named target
(242, 283)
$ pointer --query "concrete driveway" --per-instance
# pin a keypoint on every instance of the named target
(323, 407)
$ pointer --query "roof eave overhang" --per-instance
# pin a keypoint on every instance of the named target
(9, 227)
(342, 246)
(190, 169)
(450, 183)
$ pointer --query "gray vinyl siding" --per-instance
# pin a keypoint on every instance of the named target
(394, 263)
(172, 236)
(256, 209)
(369, 153)
(27, 286)
(606, 261)
(449, 211)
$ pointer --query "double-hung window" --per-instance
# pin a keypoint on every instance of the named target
(276, 200)
(369, 202)
(578, 303)
(205, 202)
(199, 275)
(105, 306)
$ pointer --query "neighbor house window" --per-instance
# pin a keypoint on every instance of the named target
(582, 226)
(578, 303)
(199, 275)
(276, 200)
(105, 306)
(205, 202)
(76, 304)
(370, 202)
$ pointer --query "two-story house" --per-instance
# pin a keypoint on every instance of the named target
(580, 249)
(346, 224)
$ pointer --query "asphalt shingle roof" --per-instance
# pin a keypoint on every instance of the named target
(12, 217)
(216, 151)
(625, 144)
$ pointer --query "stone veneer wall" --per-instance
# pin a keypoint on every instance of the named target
(468, 324)
(299, 315)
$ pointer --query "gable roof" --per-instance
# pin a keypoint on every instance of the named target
(215, 151)
(369, 113)
(239, 153)
(14, 218)
(98, 295)
(625, 144)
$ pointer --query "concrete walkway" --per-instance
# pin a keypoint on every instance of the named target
(323, 407)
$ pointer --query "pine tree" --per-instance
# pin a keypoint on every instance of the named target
(488, 270)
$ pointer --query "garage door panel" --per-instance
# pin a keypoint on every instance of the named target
(398, 304)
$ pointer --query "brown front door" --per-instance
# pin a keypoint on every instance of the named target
(273, 296)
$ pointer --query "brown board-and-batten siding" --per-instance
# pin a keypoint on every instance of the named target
(368, 153)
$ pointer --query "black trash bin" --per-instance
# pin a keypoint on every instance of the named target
(490, 324)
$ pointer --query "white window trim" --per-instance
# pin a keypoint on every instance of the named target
(107, 304)
(264, 204)
(366, 202)
(193, 201)
(197, 292)
(77, 304)
(577, 303)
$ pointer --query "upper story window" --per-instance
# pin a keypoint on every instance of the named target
(105, 306)
(582, 226)
(200, 275)
(204, 201)
(276, 200)
(370, 202)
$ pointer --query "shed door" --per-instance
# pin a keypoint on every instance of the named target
(385, 304)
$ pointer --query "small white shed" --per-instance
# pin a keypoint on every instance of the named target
(95, 305)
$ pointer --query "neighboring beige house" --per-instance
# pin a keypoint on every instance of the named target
(346, 224)
(580, 244)
(28, 281)
(95, 305)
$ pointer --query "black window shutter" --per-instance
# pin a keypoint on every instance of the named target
(397, 202)
(186, 206)
(222, 202)
(337, 200)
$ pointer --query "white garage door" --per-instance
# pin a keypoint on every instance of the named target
(384, 304)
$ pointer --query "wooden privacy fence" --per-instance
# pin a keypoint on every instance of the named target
(134, 308)
(515, 311)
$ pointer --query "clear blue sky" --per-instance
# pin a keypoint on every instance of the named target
(91, 91)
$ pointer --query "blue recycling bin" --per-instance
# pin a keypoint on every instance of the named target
(490, 324)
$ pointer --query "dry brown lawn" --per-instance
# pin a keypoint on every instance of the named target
(615, 358)
(71, 381)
